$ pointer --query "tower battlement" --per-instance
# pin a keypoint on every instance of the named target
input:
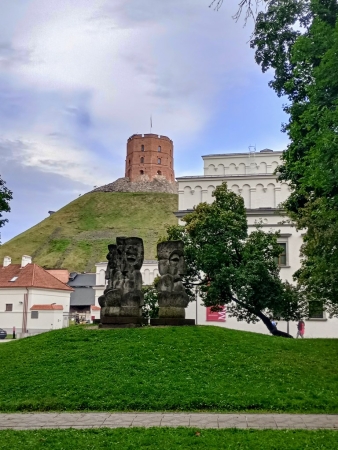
(149, 156)
(151, 135)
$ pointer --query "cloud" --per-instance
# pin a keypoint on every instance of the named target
(53, 154)
(78, 77)
(35, 192)
(10, 56)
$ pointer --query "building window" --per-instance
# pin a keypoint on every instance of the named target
(281, 260)
(129, 161)
(316, 309)
(9, 307)
(159, 172)
(158, 160)
(142, 160)
(142, 148)
(159, 148)
(141, 172)
(34, 314)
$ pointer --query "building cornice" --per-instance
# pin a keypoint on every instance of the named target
(224, 177)
(241, 155)
(249, 212)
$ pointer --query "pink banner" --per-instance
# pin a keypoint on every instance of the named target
(219, 316)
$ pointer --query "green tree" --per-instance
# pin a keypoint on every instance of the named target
(233, 267)
(5, 197)
(150, 307)
(299, 41)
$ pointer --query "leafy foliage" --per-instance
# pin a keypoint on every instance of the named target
(305, 63)
(150, 307)
(234, 267)
(5, 197)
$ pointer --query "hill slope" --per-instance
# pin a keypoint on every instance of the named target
(76, 236)
(170, 368)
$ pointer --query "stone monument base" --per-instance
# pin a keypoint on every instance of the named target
(175, 321)
(122, 322)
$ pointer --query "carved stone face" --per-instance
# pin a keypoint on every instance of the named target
(120, 242)
(134, 252)
(112, 256)
(177, 264)
(130, 253)
(170, 258)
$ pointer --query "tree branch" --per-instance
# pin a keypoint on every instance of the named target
(251, 10)
(267, 322)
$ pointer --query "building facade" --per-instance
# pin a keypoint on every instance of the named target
(251, 175)
(149, 156)
(31, 299)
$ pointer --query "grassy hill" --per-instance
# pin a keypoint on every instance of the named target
(76, 236)
(201, 368)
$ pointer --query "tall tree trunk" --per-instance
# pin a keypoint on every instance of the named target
(267, 322)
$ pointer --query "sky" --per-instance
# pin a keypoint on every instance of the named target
(78, 77)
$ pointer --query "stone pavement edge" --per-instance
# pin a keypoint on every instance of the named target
(30, 421)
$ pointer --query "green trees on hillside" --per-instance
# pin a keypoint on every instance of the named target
(5, 197)
(233, 267)
(299, 41)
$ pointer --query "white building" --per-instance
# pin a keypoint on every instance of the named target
(31, 299)
(149, 271)
(251, 176)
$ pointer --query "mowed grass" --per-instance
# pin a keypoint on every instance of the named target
(201, 368)
(76, 236)
(168, 439)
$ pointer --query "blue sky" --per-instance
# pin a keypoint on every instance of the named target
(78, 77)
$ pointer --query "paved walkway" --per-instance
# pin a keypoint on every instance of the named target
(124, 420)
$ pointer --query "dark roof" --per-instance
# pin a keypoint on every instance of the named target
(82, 279)
(82, 296)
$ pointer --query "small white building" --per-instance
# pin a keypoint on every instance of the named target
(31, 299)
(251, 176)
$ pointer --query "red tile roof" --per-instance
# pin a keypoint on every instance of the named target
(31, 275)
(95, 308)
(60, 274)
(46, 307)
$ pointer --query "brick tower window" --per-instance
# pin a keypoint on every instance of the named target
(159, 148)
(159, 172)
(141, 172)
(158, 160)
(142, 148)
(142, 160)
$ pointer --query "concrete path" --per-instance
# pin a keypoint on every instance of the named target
(195, 420)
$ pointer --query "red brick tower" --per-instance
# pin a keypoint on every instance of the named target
(149, 156)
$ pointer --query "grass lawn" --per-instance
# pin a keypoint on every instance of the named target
(168, 369)
(168, 438)
(76, 236)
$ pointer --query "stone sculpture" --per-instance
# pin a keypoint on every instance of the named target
(121, 303)
(172, 298)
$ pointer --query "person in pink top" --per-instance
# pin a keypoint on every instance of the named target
(301, 329)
